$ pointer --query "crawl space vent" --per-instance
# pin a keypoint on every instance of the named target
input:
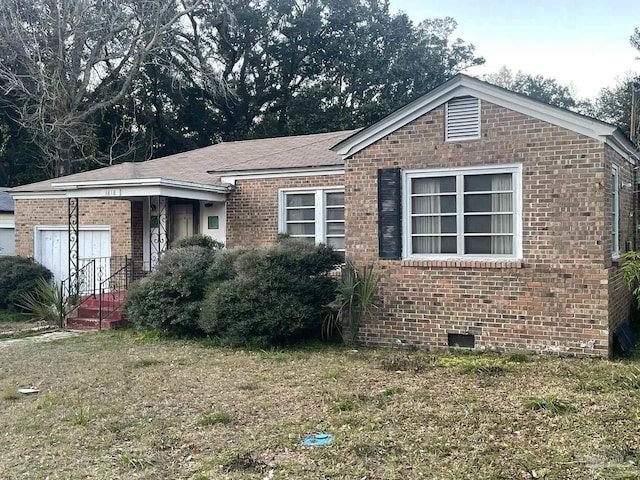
(461, 340)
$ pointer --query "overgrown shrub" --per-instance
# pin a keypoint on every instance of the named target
(199, 240)
(269, 296)
(19, 275)
(169, 298)
(631, 273)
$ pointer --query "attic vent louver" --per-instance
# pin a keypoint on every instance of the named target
(463, 119)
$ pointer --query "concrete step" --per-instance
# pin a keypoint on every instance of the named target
(80, 323)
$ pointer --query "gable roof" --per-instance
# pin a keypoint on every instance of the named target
(204, 166)
(6, 202)
(464, 85)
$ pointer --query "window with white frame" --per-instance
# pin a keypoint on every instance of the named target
(315, 215)
(615, 211)
(463, 213)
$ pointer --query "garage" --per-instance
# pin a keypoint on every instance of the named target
(51, 248)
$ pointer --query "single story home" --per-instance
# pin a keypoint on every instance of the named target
(495, 220)
(7, 224)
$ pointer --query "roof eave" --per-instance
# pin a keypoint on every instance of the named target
(150, 182)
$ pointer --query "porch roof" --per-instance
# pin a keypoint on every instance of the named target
(204, 167)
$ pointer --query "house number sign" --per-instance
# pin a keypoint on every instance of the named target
(112, 192)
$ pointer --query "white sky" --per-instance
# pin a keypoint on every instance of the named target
(584, 44)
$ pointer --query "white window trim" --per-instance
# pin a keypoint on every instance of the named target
(408, 175)
(320, 220)
(468, 137)
(615, 190)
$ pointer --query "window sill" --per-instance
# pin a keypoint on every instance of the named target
(493, 264)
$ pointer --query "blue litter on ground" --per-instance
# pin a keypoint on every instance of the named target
(317, 440)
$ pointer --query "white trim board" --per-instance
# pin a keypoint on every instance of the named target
(231, 177)
(127, 193)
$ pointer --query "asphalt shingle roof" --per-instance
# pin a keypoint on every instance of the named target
(6, 202)
(193, 166)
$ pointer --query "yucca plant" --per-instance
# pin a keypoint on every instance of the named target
(354, 302)
(44, 303)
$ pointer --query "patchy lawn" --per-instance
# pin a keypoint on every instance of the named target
(121, 405)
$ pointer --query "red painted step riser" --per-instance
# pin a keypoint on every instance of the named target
(90, 324)
(85, 312)
(96, 303)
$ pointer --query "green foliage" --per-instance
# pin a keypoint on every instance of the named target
(549, 403)
(43, 303)
(214, 418)
(199, 240)
(354, 302)
(268, 296)
(544, 89)
(169, 298)
(631, 273)
(19, 275)
(613, 104)
(11, 316)
(517, 357)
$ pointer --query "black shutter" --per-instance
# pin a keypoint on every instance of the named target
(389, 213)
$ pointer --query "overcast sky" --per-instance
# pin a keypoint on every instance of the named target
(584, 44)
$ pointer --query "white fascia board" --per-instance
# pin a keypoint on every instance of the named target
(128, 192)
(232, 177)
(162, 182)
(37, 195)
(463, 86)
(396, 120)
(623, 146)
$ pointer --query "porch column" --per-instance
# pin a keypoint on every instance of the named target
(74, 245)
(158, 241)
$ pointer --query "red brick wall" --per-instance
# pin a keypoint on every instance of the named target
(252, 211)
(137, 234)
(116, 213)
(620, 297)
(556, 299)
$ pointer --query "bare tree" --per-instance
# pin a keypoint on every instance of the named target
(65, 61)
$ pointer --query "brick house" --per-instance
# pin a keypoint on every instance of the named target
(7, 226)
(496, 221)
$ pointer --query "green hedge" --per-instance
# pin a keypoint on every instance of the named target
(169, 298)
(17, 275)
(269, 296)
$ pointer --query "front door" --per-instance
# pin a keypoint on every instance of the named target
(181, 221)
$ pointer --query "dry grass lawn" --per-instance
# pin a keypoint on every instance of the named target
(122, 405)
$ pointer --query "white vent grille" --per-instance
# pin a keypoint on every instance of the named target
(463, 119)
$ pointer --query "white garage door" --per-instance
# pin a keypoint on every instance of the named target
(51, 248)
(7, 240)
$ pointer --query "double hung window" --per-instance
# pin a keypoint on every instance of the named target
(315, 216)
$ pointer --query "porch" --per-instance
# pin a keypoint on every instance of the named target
(95, 263)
